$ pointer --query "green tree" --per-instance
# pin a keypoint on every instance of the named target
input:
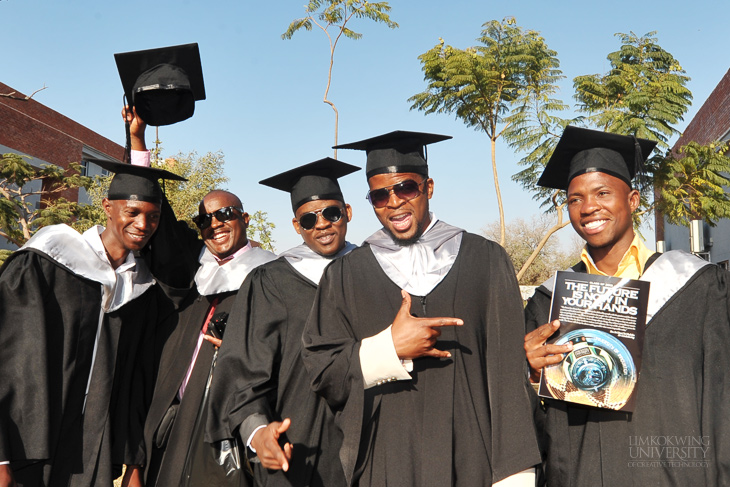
(692, 186)
(524, 238)
(22, 185)
(644, 92)
(334, 15)
(492, 87)
(259, 230)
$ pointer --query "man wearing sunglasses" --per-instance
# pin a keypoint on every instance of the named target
(415, 341)
(217, 265)
(263, 395)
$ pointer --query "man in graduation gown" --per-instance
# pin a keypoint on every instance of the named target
(679, 431)
(415, 341)
(73, 323)
(263, 393)
(176, 419)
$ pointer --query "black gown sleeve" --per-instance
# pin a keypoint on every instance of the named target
(331, 355)
(22, 293)
(45, 313)
(537, 310)
(716, 380)
(246, 377)
(173, 251)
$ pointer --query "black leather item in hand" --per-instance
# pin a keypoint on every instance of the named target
(217, 325)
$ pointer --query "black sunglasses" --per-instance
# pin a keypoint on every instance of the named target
(332, 213)
(225, 214)
(405, 190)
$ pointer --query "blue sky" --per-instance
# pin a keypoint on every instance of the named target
(264, 106)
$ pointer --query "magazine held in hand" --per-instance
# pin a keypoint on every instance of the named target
(604, 317)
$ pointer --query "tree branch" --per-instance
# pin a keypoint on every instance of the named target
(12, 96)
(11, 239)
(560, 224)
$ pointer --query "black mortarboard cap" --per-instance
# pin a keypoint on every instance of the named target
(396, 152)
(314, 181)
(583, 150)
(162, 84)
(135, 182)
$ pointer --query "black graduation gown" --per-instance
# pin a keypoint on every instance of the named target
(683, 400)
(48, 323)
(261, 373)
(463, 421)
(166, 463)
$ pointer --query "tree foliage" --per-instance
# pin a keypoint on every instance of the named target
(22, 185)
(332, 17)
(507, 87)
(692, 184)
(523, 239)
(259, 230)
(493, 87)
(644, 92)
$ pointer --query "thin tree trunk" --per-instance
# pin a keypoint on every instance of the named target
(326, 92)
(560, 224)
(499, 195)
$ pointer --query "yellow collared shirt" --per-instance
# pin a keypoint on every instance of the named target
(631, 265)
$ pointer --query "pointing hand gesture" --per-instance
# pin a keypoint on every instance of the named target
(416, 337)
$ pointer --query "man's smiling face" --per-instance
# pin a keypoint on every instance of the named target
(600, 208)
(224, 238)
(131, 222)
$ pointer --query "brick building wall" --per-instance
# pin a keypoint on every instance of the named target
(710, 124)
(712, 121)
(31, 128)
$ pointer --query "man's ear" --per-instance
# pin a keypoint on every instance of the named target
(429, 187)
(348, 212)
(107, 206)
(634, 199)
(246, 219)
(295, 222)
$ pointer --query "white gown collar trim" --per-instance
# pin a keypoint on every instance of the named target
(309, 263)
(213, 278)
(84, 255)
(420, 267)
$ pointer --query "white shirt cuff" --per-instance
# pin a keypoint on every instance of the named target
(526, 478)
(5, 463)
(140, 158)
(250, 438)
(379, 361)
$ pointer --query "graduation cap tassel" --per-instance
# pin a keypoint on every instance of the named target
(128, 144)
(640, 170)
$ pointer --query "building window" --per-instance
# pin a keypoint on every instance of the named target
(725, 264)
(90, 169)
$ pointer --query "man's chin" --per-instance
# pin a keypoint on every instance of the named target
(136, 246)
(405, 241)
(220, 252)
(327, 251)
